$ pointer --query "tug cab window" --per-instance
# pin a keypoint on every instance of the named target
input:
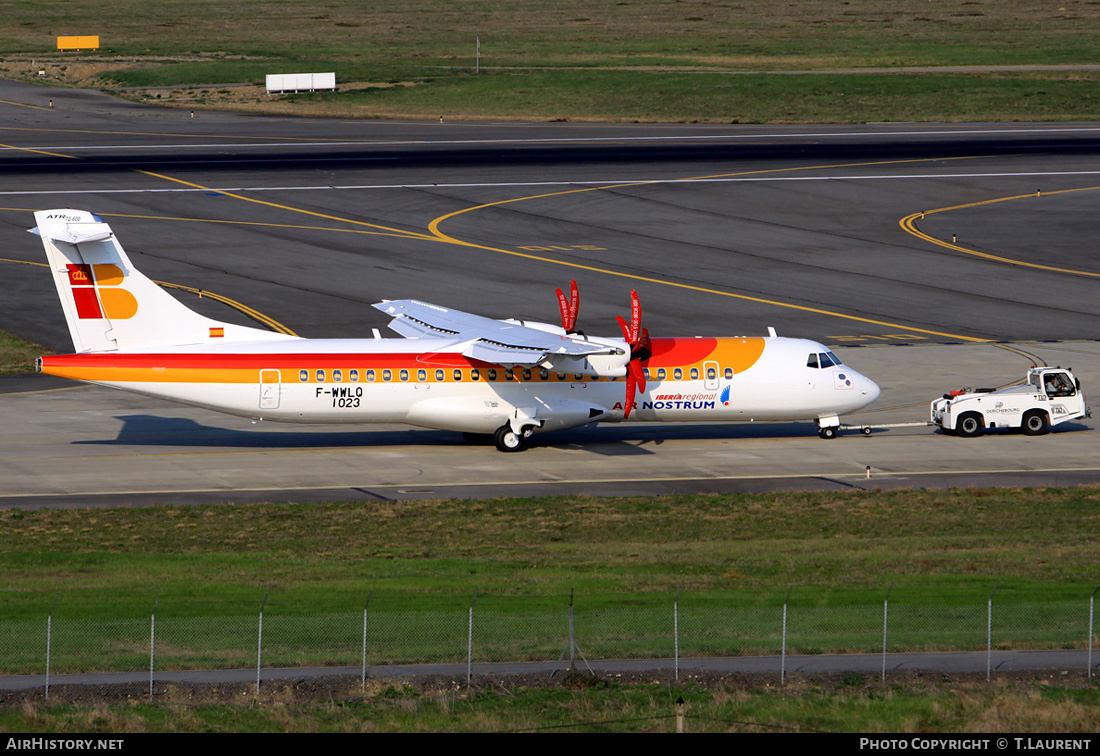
(1058, 384)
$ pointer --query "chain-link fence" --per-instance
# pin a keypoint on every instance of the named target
(673, 630)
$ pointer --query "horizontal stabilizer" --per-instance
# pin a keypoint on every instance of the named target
(75, 233)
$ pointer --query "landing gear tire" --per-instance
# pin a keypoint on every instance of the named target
(1036, 423)
(827, 432)
(507, 440)
(865, 430)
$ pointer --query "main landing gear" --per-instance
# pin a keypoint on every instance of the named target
(508, 440)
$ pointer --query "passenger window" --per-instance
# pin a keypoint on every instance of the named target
(811, 362)
(320, 376)
(561, 376)
(727, 373)
(695, 374)
(660, 374)
(475, 375)
(677, 374)
(421, 375)
(370, 375)
(353, 375)
(544, 374)
(387, 375)
(711, 374)
(491, 374)
(526, 374)
(645, 372)
(337, 376)
(404, 375)
(303, 375)
(509, 375)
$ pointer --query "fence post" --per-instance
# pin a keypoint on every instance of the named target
(152, 644)
(676, 630)
(470, 641)
(989, 636)
(885, 615)
(571, 645)
(260, 644)
(49, 644)
(783, 652)
(1092, 601)
(363, 678)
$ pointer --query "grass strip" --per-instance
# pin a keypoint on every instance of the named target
(521, 555)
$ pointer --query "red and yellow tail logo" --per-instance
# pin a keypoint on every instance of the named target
(88, 281)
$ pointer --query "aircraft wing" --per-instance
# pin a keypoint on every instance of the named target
(500, 342)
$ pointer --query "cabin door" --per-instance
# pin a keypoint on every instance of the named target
(269, 389)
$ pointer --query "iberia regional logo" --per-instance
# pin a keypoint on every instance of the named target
(112, 302)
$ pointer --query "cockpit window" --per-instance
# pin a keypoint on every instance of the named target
(823, 360)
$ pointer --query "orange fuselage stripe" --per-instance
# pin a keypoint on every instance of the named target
(107, 367)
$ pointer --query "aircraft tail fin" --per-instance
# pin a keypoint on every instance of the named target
(108, 304)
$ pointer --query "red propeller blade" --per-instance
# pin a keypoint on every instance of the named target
(627, 335)
(638, 339)
(635, 317)
(569, 307)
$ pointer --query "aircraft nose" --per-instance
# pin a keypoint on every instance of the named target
(868, 389)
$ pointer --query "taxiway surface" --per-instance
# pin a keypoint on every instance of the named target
(926, 242)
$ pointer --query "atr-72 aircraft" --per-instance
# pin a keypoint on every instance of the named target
(499, 379)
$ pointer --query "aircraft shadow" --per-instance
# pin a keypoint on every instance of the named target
(153, 430)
